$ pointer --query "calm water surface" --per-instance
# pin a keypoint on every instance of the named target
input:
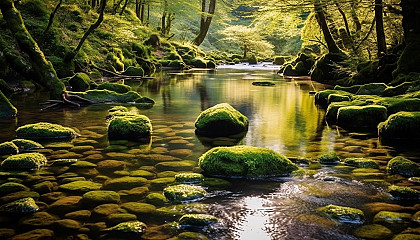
(283, 118)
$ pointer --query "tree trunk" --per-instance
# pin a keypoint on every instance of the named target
(355, 18)
(320, 17)
(206, 18)
(346, 24)
(124, 7)
(51, 20)
(43, 70)
(380, 32)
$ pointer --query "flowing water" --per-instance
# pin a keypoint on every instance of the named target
(282, 117)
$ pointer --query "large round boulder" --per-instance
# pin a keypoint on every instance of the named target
(24, 161)
(401, 125)
(361, 117)
(221, 120)
(80, 82)
(44, 130)
(404, 167)
(245, 161)
(129, 127)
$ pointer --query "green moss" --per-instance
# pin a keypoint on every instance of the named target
(184, 193)
(80, 82)
(343, 214)
(332, 110)
(140, 209)
(328, 68)
(279, 60)
(372, 89)
(252, 59)
(403, 193)
(198, 220)
(338, 98)
(108, 96)
(118, 88)
(352, 89)
(8, 148)
(361, 117)
(401, 125)
(7, 110)
(24, 161)
(26, 145)
(361, 162)
(397, 90)
(134, 71)
(124, 183)
(83, 164)
(321, 97)
(11, 187)
(24, 205)
(129, 127)
(407, 236)
(156, 199)
(221, 120)
(189, 177)
(118, 109)
(160, 183)
(245, 161)
(44, 130)
(177, 211)
(404, 167)
(129, 227)
(393, 220)
(329, 158)
(373, 232)
(80, 186)
(101, 197)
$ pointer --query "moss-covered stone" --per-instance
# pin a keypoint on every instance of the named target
(129, 127)
(328, 68)
(177, 166)
(44, 130)
(177, 211)
(401, 125)
(330, 158)
(80, 82)
(372, 89)
(115, 87)
(139, 209)
(64, 162)
(160, 183)
(156, 199)
(189, 177)
(124, 183)
(81, 186)
(393, 220)
(352, 89)
(245, 161)
(7, 110)
(321, 97)
(221, 120)
(24, 205)
(189, 236)
(36, 234)
(343, 214)
(83, 164)
(105, 95)
(24, 161)
(397, 90)
(403, 166)
(361, 117)
(361, 162)
(136, 227)
(101, 197)
(338, 98)
(332, 110)
(11, 187)
(404, 193)
(142, 173)
(184, 193)
(44, 187)
(8, 148)
(407, 236)
(373, 232)
(38, 220)
(197, 220)
(134, 71)
(26, 145)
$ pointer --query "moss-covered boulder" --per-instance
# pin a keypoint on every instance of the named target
(197, 220)
(343, 214)
(7, 110)
(407, 236)
(80, 82)
(124, 183)
(115, 87)
(332, 110)
(100, 197)
(245, 161)
(24, 161)
(361, 117)
(372, 89)
(80, 186)
(352, 89)
(328, 68)
(136, 227)
(184, 193)
(395, 221)
(330, 158)
(373, 232)
(401, 125)
(44, 130)
(105, 95)
(8, 148)
(11, 187)
(134, 71)
(403, 166)
(221, 120)
(404, 193)
(133, 127)
(23, 205)
(156, 199)
(338, 98)
(189, 177)
(361, 162)
(397, 90)
(140, 209)
(26, 145)
(321, 97)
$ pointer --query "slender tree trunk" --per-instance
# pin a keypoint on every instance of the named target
(124, 7)
(346, 24)
(43, 70)
(51, 20)
(380, 32)
(320, 16)
(89, 31)
(138, 8)
(116, 6)
(206, 18)
(355, 18)
(142, 11)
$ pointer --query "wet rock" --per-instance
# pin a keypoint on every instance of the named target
(37, 234)
(23, 205)
(157, 199)
(24, 161)
(338, 98)
(343, 214)
(64, 162)
(140, 209)
(142, 173)
(361, 163)
(80, 186)
(181, 152)
(121, 156)
(221, 120)
(189, 177)
(321, 97)
(43, 187)
(245, 161)
(18, 195)
(38, 220)
(216, 183)
(72, 179)
(12, 187)
(407, 237)
(110, 165)
(403, 193)
(161, 183)
(88, 172)
(83, 164)
(65, 205)
(372, 89)
(44, 130)
(361, 117)
(66, 226)
(94, 157)
(197, 220)
(81, 215)
(129, 227)
(329, 158)
(189, 236)
(81, 149)
(128, 127)
(160, 232)
(165, 174)
(6, 233)
(117, 218)
(80, 82)
(133, 194)
(401, 125)
(124, 183)
(159, 150)
(177, 211)
(373, 232)
(184, 193)
(52, 197)
(105, 210)
(404, 167)
(100, 197)
(176, 166)
(8, 148)
(393, 220)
